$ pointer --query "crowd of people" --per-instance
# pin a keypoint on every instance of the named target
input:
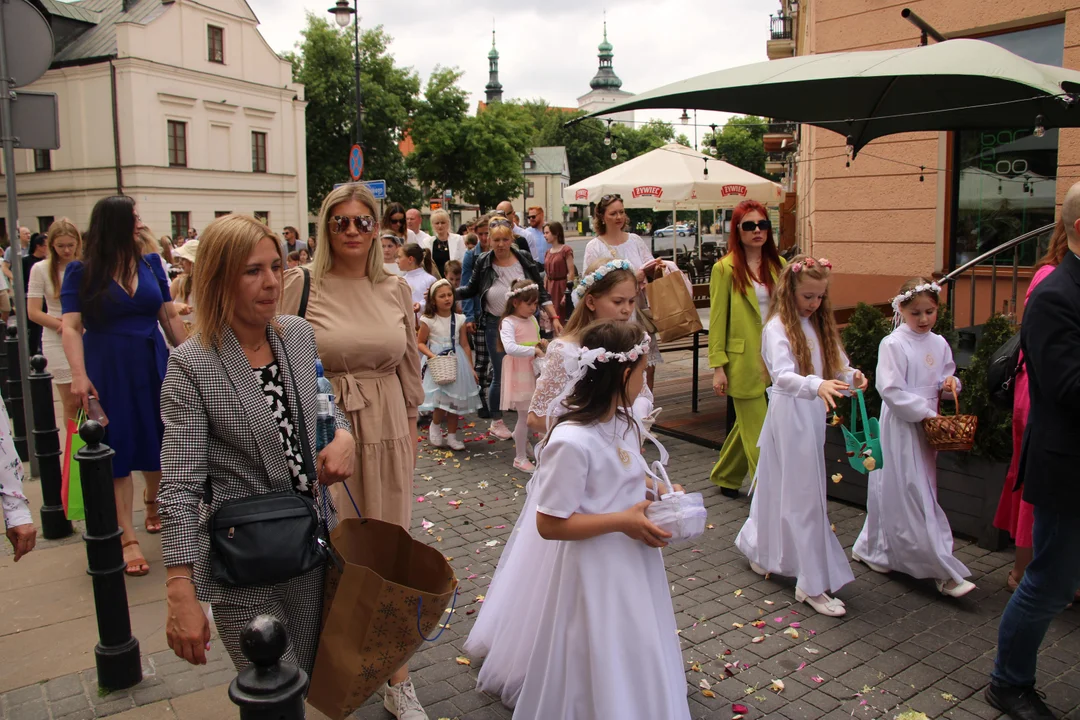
(200, 357)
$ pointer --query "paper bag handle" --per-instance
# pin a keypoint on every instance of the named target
(420, 609)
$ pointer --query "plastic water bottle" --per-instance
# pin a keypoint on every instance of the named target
(325, 426)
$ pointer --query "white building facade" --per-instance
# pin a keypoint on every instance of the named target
(180, 104)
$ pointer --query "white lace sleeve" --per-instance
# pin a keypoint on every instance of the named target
(554, 376)
(595, 250)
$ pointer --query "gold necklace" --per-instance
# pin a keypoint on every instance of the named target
(255, 349)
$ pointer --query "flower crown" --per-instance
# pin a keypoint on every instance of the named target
(905, 296)
(522, 289)
(588, 357)
(590, 279)
(809, 263)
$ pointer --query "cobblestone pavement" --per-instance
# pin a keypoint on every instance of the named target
(902, 647)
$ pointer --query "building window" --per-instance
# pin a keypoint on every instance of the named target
(215, 41)
(221, 213)
(258, 152)
(181, 221)
(42, 160)
(529, 165)
(177, 143)
(44, 222)
(1006, 181)
(263, 216)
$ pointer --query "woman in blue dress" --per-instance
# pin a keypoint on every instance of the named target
(113, 300)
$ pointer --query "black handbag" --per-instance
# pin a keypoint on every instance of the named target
(271, 538)
(1001, 373)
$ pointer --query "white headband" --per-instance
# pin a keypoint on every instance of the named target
(522, 289)
(436, 284)
(596, 275)
(905, 296)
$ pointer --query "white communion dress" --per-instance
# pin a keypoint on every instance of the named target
(506, 628)
(608, 647)
(788, 532)
(906, 529)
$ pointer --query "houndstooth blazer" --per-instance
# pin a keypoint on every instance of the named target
(218, 426)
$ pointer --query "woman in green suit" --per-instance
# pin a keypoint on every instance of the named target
(740, 291)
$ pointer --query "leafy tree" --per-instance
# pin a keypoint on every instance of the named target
(438, 127)
(495, 142)
(740, 142)
(323, 62)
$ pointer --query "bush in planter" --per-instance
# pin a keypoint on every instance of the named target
(864, 332)
(993, 438)
(944, 325)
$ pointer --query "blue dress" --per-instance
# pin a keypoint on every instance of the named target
(125, 357)
(461, 396)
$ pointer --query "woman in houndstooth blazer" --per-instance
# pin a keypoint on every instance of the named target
(230, 409)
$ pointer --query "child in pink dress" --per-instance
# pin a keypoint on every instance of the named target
(519, 335)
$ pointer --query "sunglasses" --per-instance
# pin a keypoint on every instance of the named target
(610, 198)
(500, 223)
(533, 217)
(397, 221)
(340, 223)
(750, 225)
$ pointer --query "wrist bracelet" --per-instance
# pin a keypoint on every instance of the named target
(179, 577)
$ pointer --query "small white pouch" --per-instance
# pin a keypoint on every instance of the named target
(680, 513)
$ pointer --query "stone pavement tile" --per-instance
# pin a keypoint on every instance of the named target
(63, 687)
(70, 705)
(919, 676)
(154, 711)
(212, 702)
(932, 701)
(891, 662)
(942, 661)
(861, 677)
(977, 706)
(1061, 696)
(820, 699)
(32, 710)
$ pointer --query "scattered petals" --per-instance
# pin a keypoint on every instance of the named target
(777, 686)
(491, 543)
(710, 526)
(472, 577)
(479, 598)
(791, 633)
(759, 638)
(736, 625)
(704, 684)
(758, 623)
(812, 651)
(911, 715)
(462, 660)
(738, 593)
(818, 679)
(778, 619)
(801, 666)
(695, 668)
(949, 697)
(708, 693)
(869, 463)
(837, 477)
(425, 524)
(740, 709)
(420, 499)
(795, 625)
(769, 602)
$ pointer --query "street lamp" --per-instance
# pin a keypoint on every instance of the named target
(342, 15)
(684, 118)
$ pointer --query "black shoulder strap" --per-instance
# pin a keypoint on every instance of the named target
(298, 418)
(302, 312)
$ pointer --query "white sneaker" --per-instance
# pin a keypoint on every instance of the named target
(436, 436)
(453, 442)
(959, 589)
(400, 701)
(524, 465)
(873, 566)
(498, 429)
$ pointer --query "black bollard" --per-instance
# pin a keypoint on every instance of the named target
(268, 689)
(15, 394)
(117, 652)
(54, 524)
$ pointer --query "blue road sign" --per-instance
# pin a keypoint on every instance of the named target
(377, 188)
(356, 162)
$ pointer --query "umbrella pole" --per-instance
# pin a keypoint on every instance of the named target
(675, 232)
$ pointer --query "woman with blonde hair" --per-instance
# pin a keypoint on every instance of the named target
(444, 245)
(365, 329)
(65, 244)
(234, 400)
(182, 287)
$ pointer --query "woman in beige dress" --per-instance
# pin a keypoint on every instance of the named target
(364, 327)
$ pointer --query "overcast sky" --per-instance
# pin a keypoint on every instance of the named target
(547, 48)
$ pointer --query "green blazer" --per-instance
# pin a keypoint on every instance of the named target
(735, 333)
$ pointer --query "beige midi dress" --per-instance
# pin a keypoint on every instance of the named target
(367, 344)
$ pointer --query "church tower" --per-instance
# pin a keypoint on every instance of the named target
(606, 87)
(494, 87)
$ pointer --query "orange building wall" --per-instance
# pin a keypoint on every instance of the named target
(876, 217)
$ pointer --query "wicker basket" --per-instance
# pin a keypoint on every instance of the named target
(951, 432)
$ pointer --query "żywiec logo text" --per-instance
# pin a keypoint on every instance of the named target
(733, 190)
(582, 194)
(651, 190)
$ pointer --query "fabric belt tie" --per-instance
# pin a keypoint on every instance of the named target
(350, 391)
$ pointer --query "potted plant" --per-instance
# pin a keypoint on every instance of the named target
(969, 484)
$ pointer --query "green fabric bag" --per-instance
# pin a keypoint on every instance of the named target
(865, 444)
(71, 488)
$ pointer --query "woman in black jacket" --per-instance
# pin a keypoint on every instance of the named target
(492, 277)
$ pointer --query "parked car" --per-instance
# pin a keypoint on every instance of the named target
(682, 230)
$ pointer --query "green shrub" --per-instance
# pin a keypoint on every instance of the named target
(993, 438)
(944, 325)
(864, 332)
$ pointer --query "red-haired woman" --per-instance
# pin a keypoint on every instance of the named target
(1013, 514)
(740, 291)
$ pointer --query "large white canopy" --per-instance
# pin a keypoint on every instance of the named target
(675, 176)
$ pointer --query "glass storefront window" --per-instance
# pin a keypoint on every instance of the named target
(1006, 184)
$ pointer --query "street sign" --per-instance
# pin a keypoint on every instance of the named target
(356, 162)
(377, 187)
(35, 120)
(28, 40)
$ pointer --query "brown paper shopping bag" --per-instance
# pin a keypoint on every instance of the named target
(672, 308)
(370, 611)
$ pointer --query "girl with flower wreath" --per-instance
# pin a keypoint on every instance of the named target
(906, 529)
(788, 532)
(599, 571)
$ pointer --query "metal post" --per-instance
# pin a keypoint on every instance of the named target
(356, 64)
(54, 524)
(15, 401)
(117, 652)
(268, 689)
(23, 357)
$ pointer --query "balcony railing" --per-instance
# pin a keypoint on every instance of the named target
(781, 26)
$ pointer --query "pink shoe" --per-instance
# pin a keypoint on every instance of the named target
(498, 429)
(524, 465)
